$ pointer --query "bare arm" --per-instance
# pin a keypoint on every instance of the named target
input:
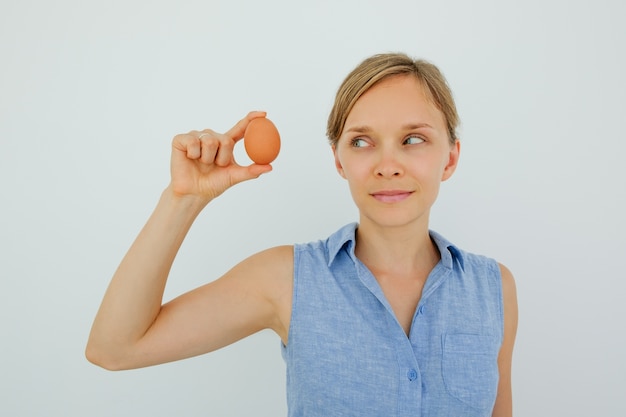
(504, 400)
(132, 328)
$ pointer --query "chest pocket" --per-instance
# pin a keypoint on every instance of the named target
(470, 368)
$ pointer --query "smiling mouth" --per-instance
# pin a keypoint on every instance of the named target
(392, 196)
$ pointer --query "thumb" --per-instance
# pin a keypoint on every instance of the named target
(250, 172)
(258, 170)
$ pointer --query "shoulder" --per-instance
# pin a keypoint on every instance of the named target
(276, 257)
(483, 269)
(269, 271)
(466, 262)
(324, 251)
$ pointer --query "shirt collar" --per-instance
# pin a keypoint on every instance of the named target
(346, 237)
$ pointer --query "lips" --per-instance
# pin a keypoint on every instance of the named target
(391, 196)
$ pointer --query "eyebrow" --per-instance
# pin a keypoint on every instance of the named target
(409, 126)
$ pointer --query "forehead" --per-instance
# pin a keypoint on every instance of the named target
(398, 99)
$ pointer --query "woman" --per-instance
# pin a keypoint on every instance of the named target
(383, 318)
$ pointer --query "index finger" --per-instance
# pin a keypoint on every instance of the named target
(237, 131)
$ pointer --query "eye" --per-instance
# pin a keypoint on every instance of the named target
(413, 140)
(358, 143)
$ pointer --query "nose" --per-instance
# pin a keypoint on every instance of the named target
(389, 165)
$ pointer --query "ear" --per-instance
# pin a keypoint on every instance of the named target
(337, 162)
(453, 160)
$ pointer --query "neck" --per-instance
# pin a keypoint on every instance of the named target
(399, 249)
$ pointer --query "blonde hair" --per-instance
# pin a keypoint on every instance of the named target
(378, 67)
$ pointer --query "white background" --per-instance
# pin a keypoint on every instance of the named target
(91, 94)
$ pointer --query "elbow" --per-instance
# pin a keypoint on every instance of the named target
(103, 358)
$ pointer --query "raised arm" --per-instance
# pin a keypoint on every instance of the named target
(132, 328)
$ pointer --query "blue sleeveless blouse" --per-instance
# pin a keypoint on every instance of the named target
(347, 355)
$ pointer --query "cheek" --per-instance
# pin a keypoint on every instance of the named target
(345, 164)
(355, 172)
(428, 174)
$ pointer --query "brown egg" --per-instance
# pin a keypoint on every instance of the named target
(262, 141)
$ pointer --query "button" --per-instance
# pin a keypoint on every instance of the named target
(412, 374)
(420, 310)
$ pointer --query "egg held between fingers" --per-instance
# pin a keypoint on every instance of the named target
(262, 141)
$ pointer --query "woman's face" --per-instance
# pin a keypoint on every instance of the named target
(395, 151)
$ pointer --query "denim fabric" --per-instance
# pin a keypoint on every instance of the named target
(347, 355)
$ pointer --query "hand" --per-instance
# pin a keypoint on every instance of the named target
(203, 164)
